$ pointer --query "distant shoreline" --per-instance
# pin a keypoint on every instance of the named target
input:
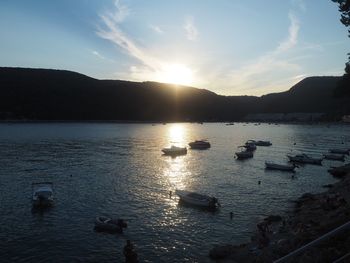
(170, 122)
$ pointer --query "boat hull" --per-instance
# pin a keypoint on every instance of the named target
(174, 153)
(339, 151)
(335, 157)
(199, 146)
(305, 160)
(205, 202)
(244, 155)
(273, 166)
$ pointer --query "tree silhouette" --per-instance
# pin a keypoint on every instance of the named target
(344, 84)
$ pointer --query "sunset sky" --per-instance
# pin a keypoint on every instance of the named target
(230, 47)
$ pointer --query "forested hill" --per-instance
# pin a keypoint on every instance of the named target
(45, 94)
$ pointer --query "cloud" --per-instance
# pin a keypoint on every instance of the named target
(148, 66)
(121, 12)
(293, 30)
(190, 28)
(156, 29)
(113, 33)
(259, 75)
(94, 52)
(300, 4)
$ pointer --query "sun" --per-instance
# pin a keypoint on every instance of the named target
(176, 74)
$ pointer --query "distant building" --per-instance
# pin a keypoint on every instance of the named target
(295, 116)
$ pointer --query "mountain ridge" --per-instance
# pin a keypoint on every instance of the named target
(47, 94)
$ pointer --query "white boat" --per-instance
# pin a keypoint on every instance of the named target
(261, 143)
(199, 144)
(303, 158)
(335, 157)
(103, 223)
(281, 167)
(42, 194)
(340, 151)
(174, 150)
(244, 154)
(196, 199)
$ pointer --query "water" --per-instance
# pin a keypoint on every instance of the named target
(118, 170)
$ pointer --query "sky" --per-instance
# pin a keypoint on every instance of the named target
(229, 47)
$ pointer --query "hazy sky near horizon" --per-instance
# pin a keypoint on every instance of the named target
(230, 47)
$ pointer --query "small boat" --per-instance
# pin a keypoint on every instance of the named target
(335, 157)
(250, 146)
(303, 158)
(201, 144)
(261, 143)
(174, 150)
(106, 224)
(281, 167)
(229, 124)
(244, 154)
(339, 151)
(196, 199)
(42, 194)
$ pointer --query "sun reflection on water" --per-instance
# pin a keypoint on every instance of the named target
(176, 170)
(177, 134)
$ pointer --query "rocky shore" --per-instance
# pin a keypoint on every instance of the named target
(313, 215)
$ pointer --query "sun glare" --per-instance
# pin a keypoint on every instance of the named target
(176, 74)
(176, 133)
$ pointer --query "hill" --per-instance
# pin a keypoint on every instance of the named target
(45, 94)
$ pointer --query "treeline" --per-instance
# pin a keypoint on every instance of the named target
(45, 94)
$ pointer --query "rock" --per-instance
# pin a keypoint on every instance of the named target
(327, 185)
(307, 196)
(220, 252)
(273, 218)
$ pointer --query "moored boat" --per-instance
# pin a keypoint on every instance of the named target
(103, 223)
(42, 194)
(261, 143)
(303, 158)
(199, 144)
(244, 154)
(174, 150)
(250, 146)
(196, 199)
(281, 167)
(335, 157)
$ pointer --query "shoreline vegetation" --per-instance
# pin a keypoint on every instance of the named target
(313, 215)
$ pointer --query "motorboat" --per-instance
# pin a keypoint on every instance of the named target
(106, 224)
(244, 154)
(250, 146)
(281, 167)
(174, 150)
(340, 151)
(196, 199)
(261, 143)
(42, 194)
(335, 157)
(199, 144)
(303, 158)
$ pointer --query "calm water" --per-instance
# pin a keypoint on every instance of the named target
(118, 170)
